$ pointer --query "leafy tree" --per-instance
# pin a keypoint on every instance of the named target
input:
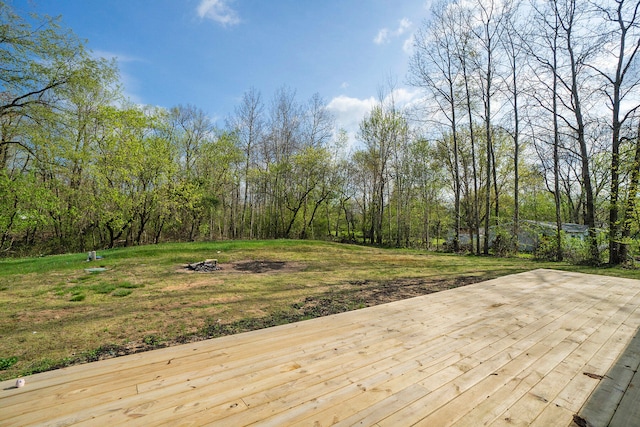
(37, 56)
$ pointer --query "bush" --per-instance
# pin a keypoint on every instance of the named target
(504, 243)
(7, 362)
(546, 249)
(574, 250)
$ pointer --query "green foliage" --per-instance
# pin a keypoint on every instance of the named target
(575, 250)
(7, 362)
(152, 340)
(129, 285)
(82, 169)
(503, 243)
(121, 292)
(103, 288)
(547, 249)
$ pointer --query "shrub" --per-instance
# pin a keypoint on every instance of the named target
(574, 250)
(547, 248)
(7, 362)
(504, 243)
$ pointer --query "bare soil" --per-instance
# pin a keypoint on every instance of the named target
(250, 266)
(260, 266)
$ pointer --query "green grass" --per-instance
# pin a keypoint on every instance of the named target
(54, 313)
(121, 292)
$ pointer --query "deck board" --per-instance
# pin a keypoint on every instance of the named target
(509, 351)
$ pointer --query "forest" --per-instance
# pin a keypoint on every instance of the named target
(528, 113)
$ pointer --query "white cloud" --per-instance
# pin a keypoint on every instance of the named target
(404, 98)
(351, 108)
(385, 34)
(407, 46)
(218, 11)
(382, 37)
(349, 112)
(405, 24)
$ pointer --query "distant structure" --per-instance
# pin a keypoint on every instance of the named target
(530, 231)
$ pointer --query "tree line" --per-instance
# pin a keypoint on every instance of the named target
(528, 112)
(556, 82)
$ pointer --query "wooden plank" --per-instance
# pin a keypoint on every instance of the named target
(540, 396)
(305, 397)
(616, 400)
(579, 387)
(82, 387)
(377, 411)
(478, 343)
(273, 398)
(192, 383)
(628, 412)
(503, 399)
(417, 410)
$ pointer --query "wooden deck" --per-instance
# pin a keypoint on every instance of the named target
(526, 349)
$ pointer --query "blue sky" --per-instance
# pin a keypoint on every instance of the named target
(209, 52)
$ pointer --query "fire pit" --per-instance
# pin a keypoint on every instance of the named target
(205, 266)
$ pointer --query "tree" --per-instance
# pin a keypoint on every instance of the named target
(380, 131)
(514, 53)
(621, 45)
(36, 59)
(248, 124)
(487, 29)
(568, 14)
(543, 49)
(465, 53)
(435, 68)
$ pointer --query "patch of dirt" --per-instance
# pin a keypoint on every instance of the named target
(367, 293)
(259, 266)
(264, 266)
(250, 266)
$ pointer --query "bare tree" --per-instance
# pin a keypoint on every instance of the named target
(248, 124)
(487, 28)
(464, 53)
(511, 43)
(435, 67)
(621, 45)
(543, 49)
(568, 14)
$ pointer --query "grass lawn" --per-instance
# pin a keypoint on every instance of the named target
(53, 312)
